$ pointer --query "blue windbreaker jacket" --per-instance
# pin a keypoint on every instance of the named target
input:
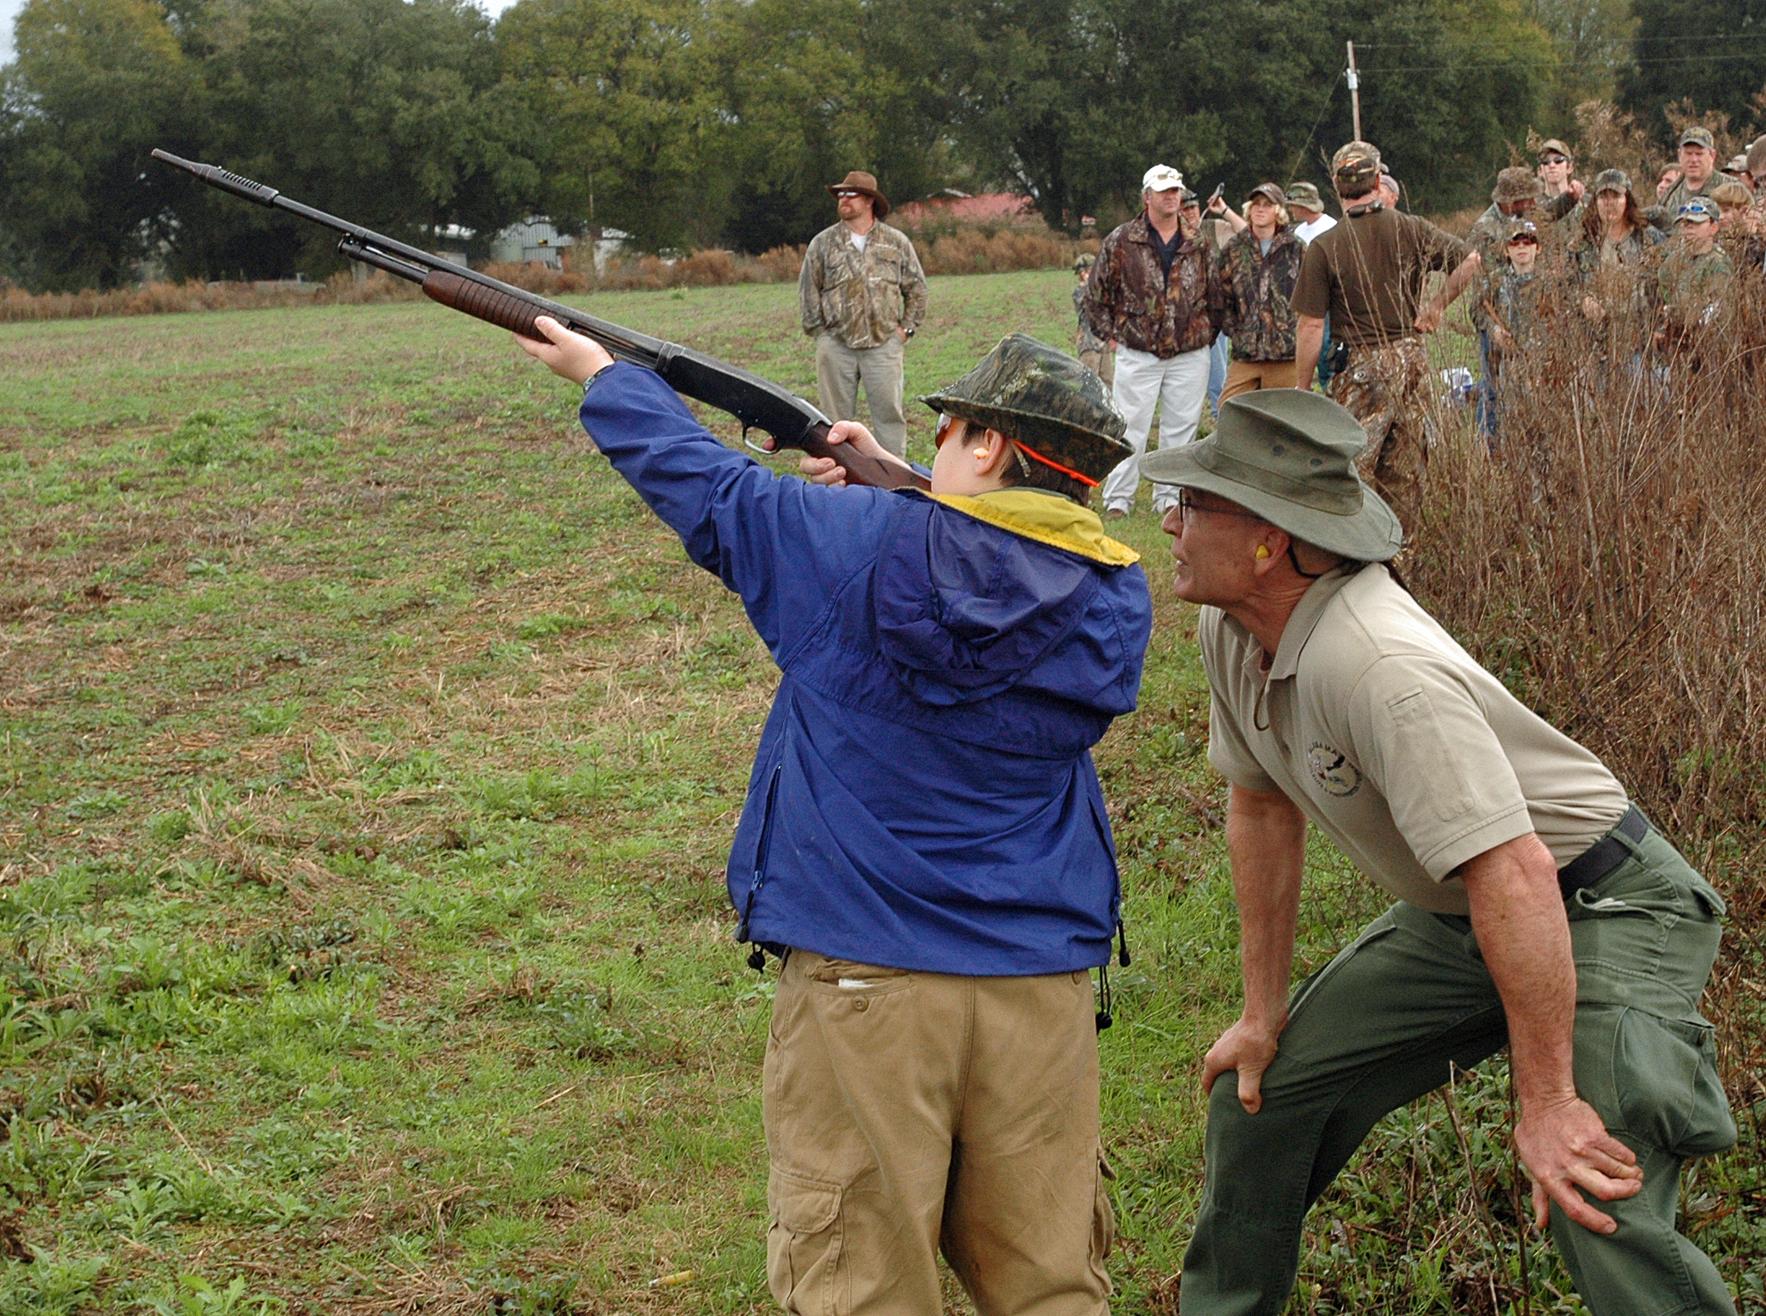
(923, 796)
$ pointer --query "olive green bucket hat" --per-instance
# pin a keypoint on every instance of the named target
(1289, 457)
(1046, 402)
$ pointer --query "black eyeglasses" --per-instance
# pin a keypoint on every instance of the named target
(1186, 503)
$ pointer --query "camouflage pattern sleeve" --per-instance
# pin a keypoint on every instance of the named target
(913, 288)
(809, 288)
(1101, 292)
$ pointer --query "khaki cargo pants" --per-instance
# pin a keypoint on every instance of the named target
(1386, 388)
(912, 1112)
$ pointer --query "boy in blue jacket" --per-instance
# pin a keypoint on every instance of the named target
(924, 841)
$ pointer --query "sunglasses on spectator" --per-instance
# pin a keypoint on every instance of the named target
(1552, 159)
(845, 192)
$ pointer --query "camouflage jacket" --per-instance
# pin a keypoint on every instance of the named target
(1489, 233)
(1087, 341)
(861, 297)
(1667, 210)
(1130, 300)
(1257, 288)
(1689, 288)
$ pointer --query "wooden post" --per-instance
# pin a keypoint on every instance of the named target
(1354, 90)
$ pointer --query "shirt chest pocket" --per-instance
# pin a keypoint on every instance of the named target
(883, 266)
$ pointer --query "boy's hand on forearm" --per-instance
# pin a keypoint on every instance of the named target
(566, 352)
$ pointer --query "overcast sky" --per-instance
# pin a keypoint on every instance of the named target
(9, 11)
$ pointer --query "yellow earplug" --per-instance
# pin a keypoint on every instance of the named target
(1262, 552)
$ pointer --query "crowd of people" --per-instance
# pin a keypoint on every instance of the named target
(925, 849)
(1556, 266)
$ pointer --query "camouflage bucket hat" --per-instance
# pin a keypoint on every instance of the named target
(1305, 195)
(1289, 457)
(1612, 180)
(1043, 400)
(1698, 137)
(1516, 183)
(1355, 167)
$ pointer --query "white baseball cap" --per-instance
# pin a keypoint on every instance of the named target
(1161, 178)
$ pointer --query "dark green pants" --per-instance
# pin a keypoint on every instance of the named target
(1378, 1027)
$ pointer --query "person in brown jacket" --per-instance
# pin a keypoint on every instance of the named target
(1155, 293)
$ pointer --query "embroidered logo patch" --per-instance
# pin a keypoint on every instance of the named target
(1334, 774)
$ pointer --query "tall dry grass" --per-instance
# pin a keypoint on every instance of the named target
(1609, 562)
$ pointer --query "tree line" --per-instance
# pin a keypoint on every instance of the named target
(690, 123)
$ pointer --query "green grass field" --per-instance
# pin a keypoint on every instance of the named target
(367, 760)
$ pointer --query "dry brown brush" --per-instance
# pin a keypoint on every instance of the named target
(1609, 562)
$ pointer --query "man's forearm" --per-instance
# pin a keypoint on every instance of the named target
(1308, 339)
(1266, 837)
(1456, 282)
(1524, 937)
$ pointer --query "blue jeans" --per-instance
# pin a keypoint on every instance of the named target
(1217, 363)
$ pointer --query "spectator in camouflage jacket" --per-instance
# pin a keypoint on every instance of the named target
(1258, 270)
(1155, 293)
(863, 294)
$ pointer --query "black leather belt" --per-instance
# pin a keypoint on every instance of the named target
(1604, 855)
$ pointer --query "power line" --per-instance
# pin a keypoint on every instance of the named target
(1528, 62)
(1756, 35)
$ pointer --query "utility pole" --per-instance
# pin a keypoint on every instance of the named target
(1354, 90)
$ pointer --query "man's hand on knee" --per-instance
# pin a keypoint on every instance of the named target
(1247, 1049)
(1564, 1148)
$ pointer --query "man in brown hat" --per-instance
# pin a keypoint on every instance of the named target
(1367, 274)
(863, 294)
(1534, 905)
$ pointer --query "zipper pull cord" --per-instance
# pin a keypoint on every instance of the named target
(1122, 956)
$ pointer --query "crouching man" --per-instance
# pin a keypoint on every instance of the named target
(1536, 906)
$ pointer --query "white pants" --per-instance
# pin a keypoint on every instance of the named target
(1176, 386)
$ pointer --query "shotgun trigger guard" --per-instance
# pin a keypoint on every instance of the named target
(752, 446)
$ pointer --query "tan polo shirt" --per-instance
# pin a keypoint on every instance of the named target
(1394, 742)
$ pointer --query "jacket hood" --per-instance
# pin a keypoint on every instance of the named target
(966, 607)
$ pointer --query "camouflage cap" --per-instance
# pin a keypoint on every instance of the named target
(1289, 456)
(1043, 400)
(1738, 164)
(1355, 167)
(1306, 196)
(1269, 192)
(1611, 180)
(1551, 144)
(1699, 210)
(1516, 183)
(1084, 261)
(1697, 136)
(1520, 228)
